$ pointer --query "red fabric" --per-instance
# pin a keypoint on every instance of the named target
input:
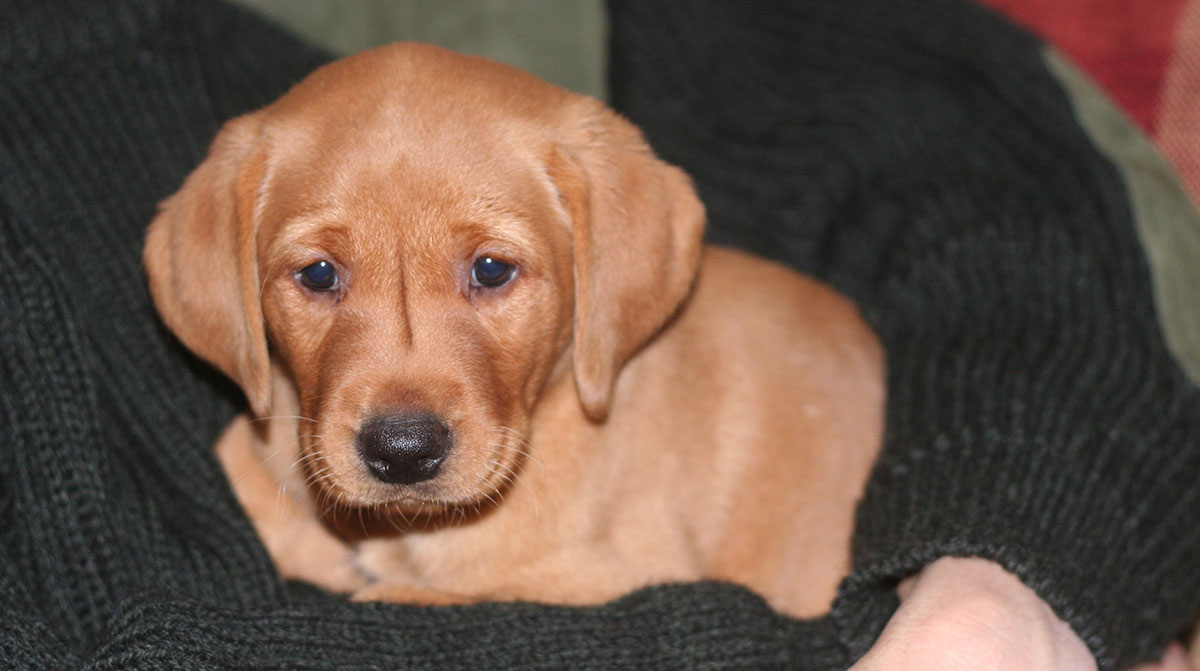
(1125, 45)
(1145, 53)
(1177, 129)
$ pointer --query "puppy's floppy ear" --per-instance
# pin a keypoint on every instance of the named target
(202, 260)
(637, 226)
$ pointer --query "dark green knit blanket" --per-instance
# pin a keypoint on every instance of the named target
(919, 154)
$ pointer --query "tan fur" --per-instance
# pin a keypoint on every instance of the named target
(632, 408)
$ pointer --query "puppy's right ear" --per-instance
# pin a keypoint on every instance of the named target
(202, 260)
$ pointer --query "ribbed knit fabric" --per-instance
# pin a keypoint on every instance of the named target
(919, 155)
(915, 153)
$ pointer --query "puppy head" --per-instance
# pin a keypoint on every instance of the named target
(419, 240)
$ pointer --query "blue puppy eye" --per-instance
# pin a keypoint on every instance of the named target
(319, 276)
(489, 271)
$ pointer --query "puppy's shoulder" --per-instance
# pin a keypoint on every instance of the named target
(755, 293)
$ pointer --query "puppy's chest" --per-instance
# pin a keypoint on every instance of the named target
(466, 559)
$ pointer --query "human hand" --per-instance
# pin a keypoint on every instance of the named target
(962, 614)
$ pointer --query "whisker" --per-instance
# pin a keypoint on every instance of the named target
(319, 476)
(391, 520)
(522, 447)
(269, 417)
(314, 397)
(407, 522)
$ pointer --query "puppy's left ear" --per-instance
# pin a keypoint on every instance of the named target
(637, 226)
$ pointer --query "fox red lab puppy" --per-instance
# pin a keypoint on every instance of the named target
(490, 357)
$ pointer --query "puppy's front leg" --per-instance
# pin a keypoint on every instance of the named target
(395, 592)
(300, 545)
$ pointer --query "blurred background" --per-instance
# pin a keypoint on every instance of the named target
(562, 41)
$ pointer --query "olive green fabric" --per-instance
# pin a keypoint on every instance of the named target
(561, 41)
(1166, 219)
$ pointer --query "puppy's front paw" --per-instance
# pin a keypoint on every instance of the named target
(394, 592)
(341, 577)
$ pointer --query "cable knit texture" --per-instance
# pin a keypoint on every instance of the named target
(915, 153)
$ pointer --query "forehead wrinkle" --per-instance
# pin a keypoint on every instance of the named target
(509, 235)
(315, 235)
(319, 229)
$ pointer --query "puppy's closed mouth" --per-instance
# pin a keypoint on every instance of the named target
(413, 464)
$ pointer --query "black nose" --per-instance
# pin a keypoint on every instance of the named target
(403, 449)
